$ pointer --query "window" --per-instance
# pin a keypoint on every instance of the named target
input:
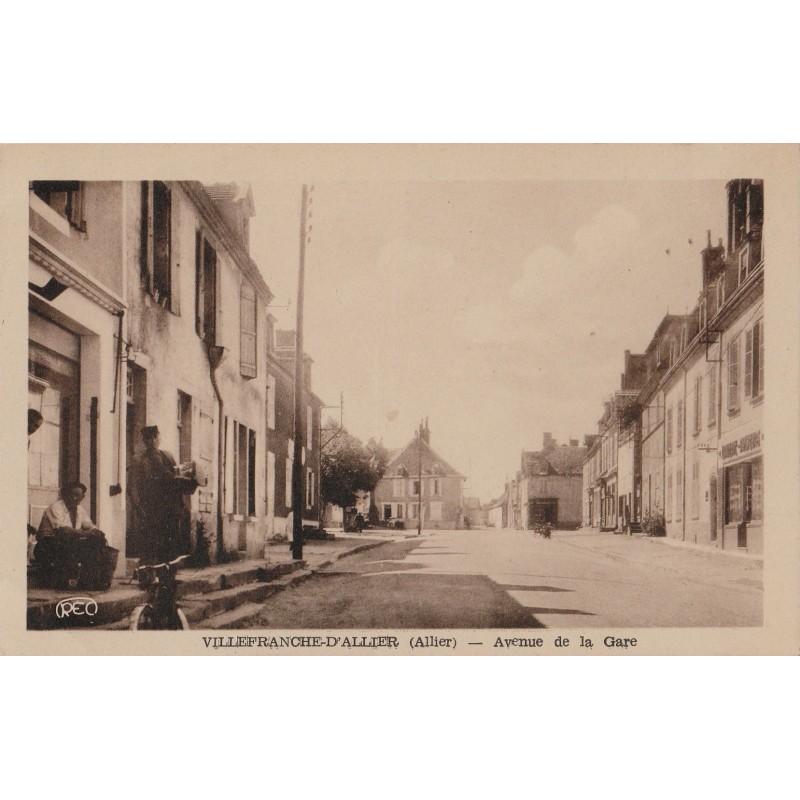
(744, 263)
(734, 506)
(415, 487)
(435, 486)
(733, 375)
(400, 511)
(748, 363)
(247, 331)
(310, 479)
(669, 498)
(679, 495)
(698, 403)
(65, 198)
(244, 470)
(289, 470)
(679, 426)
(271, 402)
(756, 369)
(156, 244)
(712, 396)
(387, 510)
(669, 430)
(184, 427)
(205, 289)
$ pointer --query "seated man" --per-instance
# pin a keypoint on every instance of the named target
(69, 546)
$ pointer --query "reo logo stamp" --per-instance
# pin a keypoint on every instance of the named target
(71, 607)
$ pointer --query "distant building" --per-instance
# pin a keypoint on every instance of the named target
(438, 490)
(549, 485)
(280, 435)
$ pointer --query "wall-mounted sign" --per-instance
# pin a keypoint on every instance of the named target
(741, 446)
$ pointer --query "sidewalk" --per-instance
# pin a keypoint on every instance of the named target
(208, 592)
(664, 553)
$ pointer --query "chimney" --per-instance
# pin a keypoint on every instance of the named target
(573, 442)
(548, 442)
(424, 431)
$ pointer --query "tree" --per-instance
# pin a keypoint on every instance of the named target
(348, 465)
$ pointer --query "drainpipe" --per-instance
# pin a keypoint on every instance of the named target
(216, 355)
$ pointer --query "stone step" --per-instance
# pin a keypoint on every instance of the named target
(234, 618)
(200, 606)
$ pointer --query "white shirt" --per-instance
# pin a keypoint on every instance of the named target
(58, 516)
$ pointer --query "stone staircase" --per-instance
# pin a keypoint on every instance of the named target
(220, 596)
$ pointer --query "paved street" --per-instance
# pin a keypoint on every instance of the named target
(514, 579)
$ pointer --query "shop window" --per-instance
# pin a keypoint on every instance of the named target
(733, 376)
(757, 491)
(247, 331)
(66, 198)
(205, 289)
(740, 494)
(156, 244)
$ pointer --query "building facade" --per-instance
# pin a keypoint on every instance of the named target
(145, 308)
(699, 406)
(417, 477)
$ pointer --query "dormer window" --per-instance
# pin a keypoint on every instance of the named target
(744, 263)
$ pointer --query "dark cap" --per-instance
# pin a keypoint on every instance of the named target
(35, 419)
(73, 485)
(149, 432)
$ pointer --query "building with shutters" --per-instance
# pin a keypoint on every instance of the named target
(145, 308)
(417, 477)
(699, 405)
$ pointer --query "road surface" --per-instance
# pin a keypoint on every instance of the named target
(515, 579)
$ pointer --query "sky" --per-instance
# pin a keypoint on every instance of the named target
(497, 310)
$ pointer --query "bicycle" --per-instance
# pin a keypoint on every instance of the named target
(161, 612)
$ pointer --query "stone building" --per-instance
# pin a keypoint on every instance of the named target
(699, 404)
(417, 476)
(549, 484)
(145, 308)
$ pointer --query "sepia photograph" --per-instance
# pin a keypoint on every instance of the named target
(362, 411)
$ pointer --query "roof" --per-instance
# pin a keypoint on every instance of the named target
(408, 458)
(560, 460)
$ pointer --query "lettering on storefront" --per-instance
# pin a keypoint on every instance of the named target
(752, 441)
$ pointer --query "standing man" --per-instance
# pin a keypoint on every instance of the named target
(156, 494)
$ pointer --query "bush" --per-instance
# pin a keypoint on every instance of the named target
(653, 524)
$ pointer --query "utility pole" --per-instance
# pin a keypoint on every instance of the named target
(419, 505)
(297, 465)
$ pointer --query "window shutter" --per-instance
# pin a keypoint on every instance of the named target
(748, 363)
(199, 284)
(758, 358)
(733, 375)
(247, 326)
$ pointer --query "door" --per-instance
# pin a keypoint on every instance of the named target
(53, 391)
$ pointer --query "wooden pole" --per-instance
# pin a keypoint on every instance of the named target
(297, 465)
